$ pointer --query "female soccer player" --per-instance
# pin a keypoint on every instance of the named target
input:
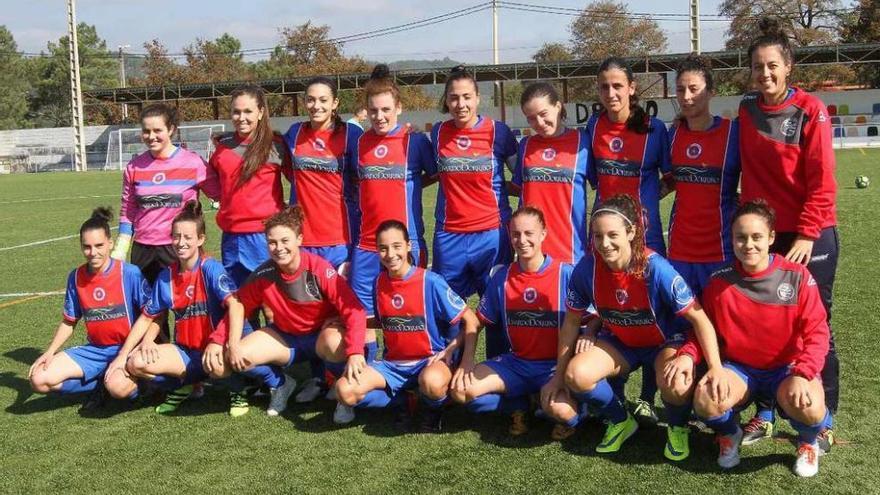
(787, 159)
(636, 301)
(419, 315)
(472, 207)
(525, 300)
(390, 164)
(315, 315)
(155, 186)
(198, 291)
(769, 315)
(551, 172)
(107, 294)
(248, 165)
(704, 152)
(630, 150)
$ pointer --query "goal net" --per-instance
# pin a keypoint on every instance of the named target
(125, 144)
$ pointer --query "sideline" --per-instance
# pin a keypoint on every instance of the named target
(28, 294)
(37, 243)
(38, 200)
(17, 301)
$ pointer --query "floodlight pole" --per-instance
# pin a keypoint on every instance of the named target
(76, 109)
(695, 25)
(122, 78)
(499, 86)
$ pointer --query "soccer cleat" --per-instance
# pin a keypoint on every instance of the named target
(173, 399)
(96, 400)
(331, 394)
(757, 429)
(518, 424)
(560, 432)
(278, 397)
(677, 445)
(825, 440)
(728, 449)
(402, 418)
(807, 463)
(238, 404)
(310, 391)
(645, 414)
(616, 434)
(343, 414)
(431, 421)
(198, 391)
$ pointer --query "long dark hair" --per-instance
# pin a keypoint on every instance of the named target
(399, 226)
(699, 64)
(638, 120)
(260, 146)
(625, 206)
(338, 123)
(456, 74)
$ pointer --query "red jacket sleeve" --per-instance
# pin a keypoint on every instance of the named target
(813, 325)
(691, 348)
(818, 158)
(350, 310)
(251, 298)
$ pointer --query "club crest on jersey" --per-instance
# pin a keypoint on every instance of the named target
(788, 127)
(146, 289)
(190, 291)
(621, 295)
(454, 299)
(463, 142)
(822, 117)
(225, 283)
(681, 291)
(548, 154)
(159, 178)
(785, 292)
(397, 301)
(330, 273)
(381, 151)
(319, 144)
(99, 294)
(530, 295)
(616, 145)
(694, 150)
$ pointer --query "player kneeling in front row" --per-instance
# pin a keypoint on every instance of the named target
(526, 299)
(196, 288)
(108, 295)
(315, 316)
(419, 315)
(640, 306)
(770, 318)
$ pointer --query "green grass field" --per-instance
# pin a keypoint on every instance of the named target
(48, 446)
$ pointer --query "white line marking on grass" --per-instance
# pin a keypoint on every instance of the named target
(37, 243)
(29, 294)
(37, 200)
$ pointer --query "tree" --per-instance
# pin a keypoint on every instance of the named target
(863, 26)
(553, 52)
(606, 28)
(218, 60)
(13, 98)
(158, 68)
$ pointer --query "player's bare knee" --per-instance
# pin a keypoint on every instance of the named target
(329, 346)
(704, 406)
(560, 411)
(578, 380)
(346, 392)
(39, 383)
(458, 395)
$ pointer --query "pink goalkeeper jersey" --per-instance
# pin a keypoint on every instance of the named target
(154, 191)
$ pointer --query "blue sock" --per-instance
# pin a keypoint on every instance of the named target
(485, 403)
(432, 403)
(618, 385)
(677, 415)
(377, 398)
(765, 414)
(829, 420)
(164, 382)
(235, 382)
(77, 386)
(808, 433)
(724, 424)
(574, 421)
(649, 384)
(335, 369)
(371, 350)
(134, 395)
(602, 397)
(271, 376)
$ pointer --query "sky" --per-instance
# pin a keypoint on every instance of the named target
(256, 23)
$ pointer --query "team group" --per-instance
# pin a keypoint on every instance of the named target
(736, 311)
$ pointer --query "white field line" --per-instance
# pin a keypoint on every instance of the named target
(37, 243)
(37, 200)
(28, 294)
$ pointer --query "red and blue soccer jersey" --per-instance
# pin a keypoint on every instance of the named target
(552, 174)
(641, 312)
(529, 306)
(109, 302)
(418, 314)
(472, 195)
(626, 162)
(705, 165)
(389, 172)
(301, 302)
(243, 209)
(769, 319)
(787, 159)
(197, 297)
(324, 182)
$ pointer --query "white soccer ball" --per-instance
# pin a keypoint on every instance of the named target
(862, 181)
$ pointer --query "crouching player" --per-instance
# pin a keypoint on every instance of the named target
(526, 299)
(315, 316)
(108, 295)
(637, 299)
(419, 315)
(197, 290)
(769, 315)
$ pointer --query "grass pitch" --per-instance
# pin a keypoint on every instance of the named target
(48, 446)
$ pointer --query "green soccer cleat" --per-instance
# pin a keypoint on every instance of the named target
(677, 445)
(238, 404)
(645, 414)
(616, 434)
(173, 399)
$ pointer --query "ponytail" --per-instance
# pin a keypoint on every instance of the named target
(192, 212)
(100, 220)
(773, 34)
(262, 139)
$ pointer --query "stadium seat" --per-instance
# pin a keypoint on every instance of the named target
(852, 132)
(428, 127)
(843, 109)
(517, 132)
(832, 109)
(872, 131)
(861, 119)
(876, 108)
(835, 120)
(838, 132)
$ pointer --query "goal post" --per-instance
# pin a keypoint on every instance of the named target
(124, 144)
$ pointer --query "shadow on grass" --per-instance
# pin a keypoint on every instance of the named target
(24, 355)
